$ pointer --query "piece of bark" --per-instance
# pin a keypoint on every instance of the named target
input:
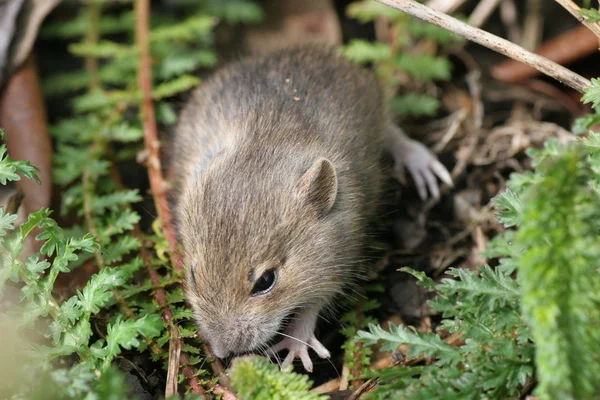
(563, 49)
(20, 21)
(23, 118)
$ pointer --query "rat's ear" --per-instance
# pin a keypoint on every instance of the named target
(318, 187)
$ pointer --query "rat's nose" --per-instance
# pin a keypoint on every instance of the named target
(219, 351)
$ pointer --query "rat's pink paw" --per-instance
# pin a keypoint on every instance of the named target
(422, 164)
(299, 349)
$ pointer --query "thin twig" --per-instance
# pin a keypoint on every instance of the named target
(157, 184)
(152, 145)
(533, 25)
(490, 41)
(565, 48)
(574, 9)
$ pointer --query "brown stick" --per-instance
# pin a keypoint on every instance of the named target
(565, 48)
(157, 182)
(574, 9)
(490, 41)
(23, 118)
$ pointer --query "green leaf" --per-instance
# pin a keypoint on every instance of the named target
(592, 93)
(423, 279)
(102, 49)
(583, 124)
(362, 51)
(97, 292)
(367, 11)
(426, 344)
(591, 15)
(234, 11)
(125, 334)
(185, 31)
(510, 208)
(184, 62)
(417, 105)
(10, 170)
(35, 266)
(177, 85)
(126, 133)
(424, 29)
(559, 276)
(115, 201)
(491, 288)
(7, 222)
(425, 67)
(40, 217)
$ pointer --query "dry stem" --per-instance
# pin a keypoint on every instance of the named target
(158, 185)
(157, 182)
(492, 42)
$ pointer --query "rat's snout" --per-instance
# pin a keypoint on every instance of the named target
(233, 338)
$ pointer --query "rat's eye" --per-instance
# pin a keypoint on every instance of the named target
(265, 283)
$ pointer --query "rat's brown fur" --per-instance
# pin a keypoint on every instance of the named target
(277, 163)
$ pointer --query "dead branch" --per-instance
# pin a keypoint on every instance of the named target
(564, 48)
(157, 183)
(490, 41)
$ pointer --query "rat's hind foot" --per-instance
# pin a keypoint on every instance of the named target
(421, 163)
(299, 349)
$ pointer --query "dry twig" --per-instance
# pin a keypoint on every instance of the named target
(490, 41)
(157, 183)
(563, 49)
(152, 145)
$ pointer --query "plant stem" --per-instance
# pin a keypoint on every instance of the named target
(91, 38)
(157, 182)
(492, 42)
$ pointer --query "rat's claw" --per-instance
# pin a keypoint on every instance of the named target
(299, 349)
(421, 163)
(441, 172)
(318, 347)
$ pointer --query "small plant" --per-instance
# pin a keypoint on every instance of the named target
(544, 321)
(257, 378)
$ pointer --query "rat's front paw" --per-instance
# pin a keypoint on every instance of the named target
(299, 349)
(420, 162)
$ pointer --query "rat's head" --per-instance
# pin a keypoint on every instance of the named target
(258, 247)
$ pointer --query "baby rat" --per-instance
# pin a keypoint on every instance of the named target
(278, 167)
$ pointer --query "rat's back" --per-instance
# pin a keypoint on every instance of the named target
(294, 100)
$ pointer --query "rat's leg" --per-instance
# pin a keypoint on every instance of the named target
(299, 336)
(422, 164)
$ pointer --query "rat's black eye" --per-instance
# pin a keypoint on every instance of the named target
(265, 283)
